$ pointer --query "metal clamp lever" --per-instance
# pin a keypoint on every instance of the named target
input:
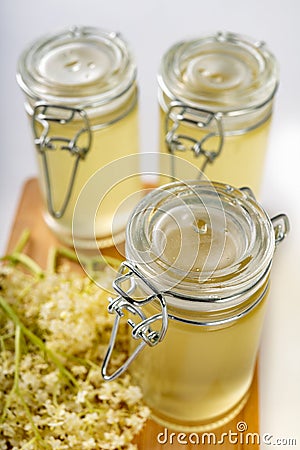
(141, 330)
(281, 227)
(45, 114)
(280, 222)
(179, 113)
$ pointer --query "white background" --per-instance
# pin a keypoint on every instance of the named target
(151, 28)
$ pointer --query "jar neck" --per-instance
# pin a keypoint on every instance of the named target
(234, 122)
(100, 114)
(208, 309)
(202, 308)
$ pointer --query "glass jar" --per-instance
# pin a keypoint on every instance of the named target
(81, 98)
(216, 95)
(194, 288)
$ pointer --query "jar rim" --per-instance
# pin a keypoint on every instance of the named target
(222, 72)
(239, 266)
(83, 66)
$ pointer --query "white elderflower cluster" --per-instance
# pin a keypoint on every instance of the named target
(54, 334)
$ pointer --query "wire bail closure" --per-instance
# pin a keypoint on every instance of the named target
(280, 222)
(140, 330)
(281, 227)
(43, 115)
(180, 113)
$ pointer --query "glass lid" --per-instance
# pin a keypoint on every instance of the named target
(223, 72)
(200, 239)
(82, 64)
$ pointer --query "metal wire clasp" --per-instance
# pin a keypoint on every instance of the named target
(281, 227)
(281, 224)
(43, 116)
(180, 113)
(125, 302)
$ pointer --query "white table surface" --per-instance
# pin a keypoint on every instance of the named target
(151, 28)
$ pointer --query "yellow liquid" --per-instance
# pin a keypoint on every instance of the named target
(110, 198)
(198, 377)
(240, 163)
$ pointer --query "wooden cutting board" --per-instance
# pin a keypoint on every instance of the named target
(29, 216)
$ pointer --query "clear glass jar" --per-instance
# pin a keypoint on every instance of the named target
(216, 95)
(199, 257)
(81, 98)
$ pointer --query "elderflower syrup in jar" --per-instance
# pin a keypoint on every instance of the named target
(193, 290)
(81, 98)
(216, 96)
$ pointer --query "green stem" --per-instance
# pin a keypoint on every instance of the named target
(28, 443)
(15, 386)
(88, 263)
(28, 262)
(90, 410)
(83, 361)
(67, 253)
(22, 241)
(72, 256)
(30, 418)
(15, 389)
(18, 336)
(114, 262)
(51, 260)
(36, 341)
(53, 256)
(40, 344)
(6, 406)
(3, 338)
